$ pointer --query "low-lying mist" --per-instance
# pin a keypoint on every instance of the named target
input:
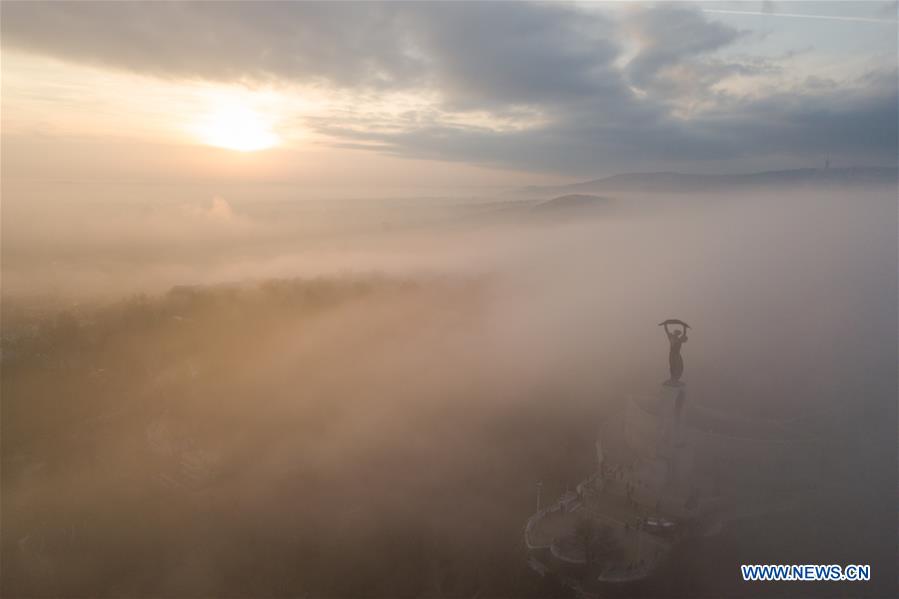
(223, 397)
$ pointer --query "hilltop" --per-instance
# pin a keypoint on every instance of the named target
(674, 182)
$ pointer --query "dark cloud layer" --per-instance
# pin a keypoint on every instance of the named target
(338, 43)
(671, 36)
(598, 108)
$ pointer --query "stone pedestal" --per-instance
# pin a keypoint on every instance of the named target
(674, 438)
(657, 433)
(670, 408)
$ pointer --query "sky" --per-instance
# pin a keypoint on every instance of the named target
(387, 95)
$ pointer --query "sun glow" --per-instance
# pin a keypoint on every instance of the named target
(237, 127)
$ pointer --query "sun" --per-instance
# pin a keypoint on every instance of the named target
(237, 127)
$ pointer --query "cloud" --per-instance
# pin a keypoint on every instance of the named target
(342, 44)
(550, 87)
(672, 37)
(769, 11)
(853, 125)
(484, 54)
(475, 53)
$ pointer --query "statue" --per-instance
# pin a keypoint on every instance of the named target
(676, 339)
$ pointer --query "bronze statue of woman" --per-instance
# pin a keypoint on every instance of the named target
(676, 338)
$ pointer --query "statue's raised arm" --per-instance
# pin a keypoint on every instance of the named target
(670, 321)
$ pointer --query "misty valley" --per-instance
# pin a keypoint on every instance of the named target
(344, 402)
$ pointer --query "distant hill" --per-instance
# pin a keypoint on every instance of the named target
(573, 203)
(671, 182)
